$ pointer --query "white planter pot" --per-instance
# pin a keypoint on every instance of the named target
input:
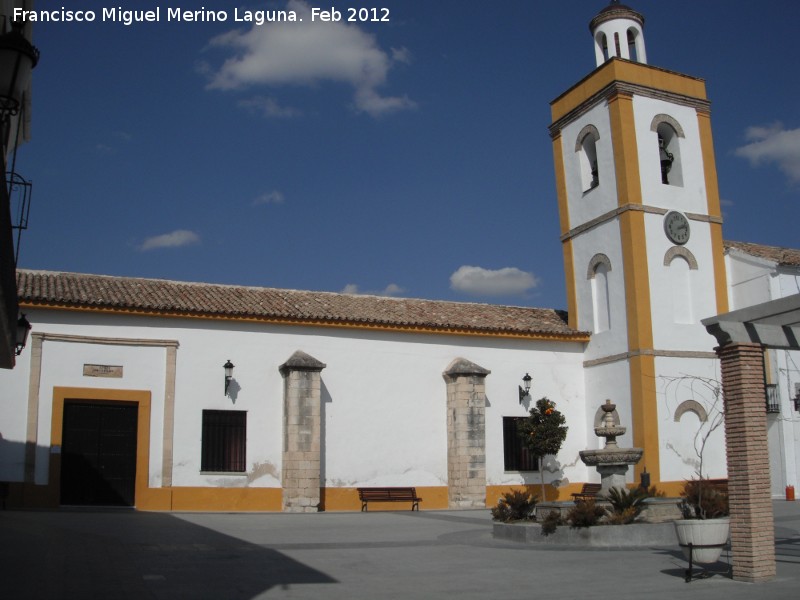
(707, 536)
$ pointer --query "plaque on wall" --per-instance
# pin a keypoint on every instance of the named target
(102, 371)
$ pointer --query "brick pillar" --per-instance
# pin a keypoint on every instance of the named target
(301, 433)
(466, 434)
(752, 525)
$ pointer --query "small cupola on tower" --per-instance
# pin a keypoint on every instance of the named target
(618, 32)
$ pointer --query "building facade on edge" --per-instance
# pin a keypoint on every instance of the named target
(122, 396)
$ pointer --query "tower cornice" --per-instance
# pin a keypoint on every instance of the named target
(618, 76)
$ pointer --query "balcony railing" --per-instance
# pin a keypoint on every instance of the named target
(773, 398)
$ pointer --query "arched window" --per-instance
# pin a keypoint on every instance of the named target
(599, 269)
(681, 262)
(586, 147)
(602, 42)
(668, 133)
(632, 51)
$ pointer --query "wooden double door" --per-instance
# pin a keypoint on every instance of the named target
(98, 453)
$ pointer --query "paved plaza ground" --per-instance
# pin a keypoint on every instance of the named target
(116, 554)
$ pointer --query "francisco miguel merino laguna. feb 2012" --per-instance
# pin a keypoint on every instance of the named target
(258, 17)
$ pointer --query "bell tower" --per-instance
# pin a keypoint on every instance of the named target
(641, 230)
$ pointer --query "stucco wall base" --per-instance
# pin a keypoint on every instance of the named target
(224, 499)
(343, 499)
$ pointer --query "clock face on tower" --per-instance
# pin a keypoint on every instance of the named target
(676, 226)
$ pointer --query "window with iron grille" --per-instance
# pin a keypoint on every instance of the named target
(773, 398)
(516, 456)
(224, 441)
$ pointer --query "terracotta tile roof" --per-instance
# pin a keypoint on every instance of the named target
(789, 257)
(174, 298)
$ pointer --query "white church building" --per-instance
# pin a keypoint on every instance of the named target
(168, 395)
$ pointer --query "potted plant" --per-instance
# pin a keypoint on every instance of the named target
(543, 432)
(703, 531)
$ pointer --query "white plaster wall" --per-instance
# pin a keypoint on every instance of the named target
(679, 380)
(585, 206)
(557, 374)
(784, 427)
(691, 196)
(604, 238)
(620, 27)
(748, 280)
(14, 418)
(668, 334)
(609, 381)
(788, 282)
(384, 395)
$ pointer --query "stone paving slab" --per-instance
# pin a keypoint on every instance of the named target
(105, 554)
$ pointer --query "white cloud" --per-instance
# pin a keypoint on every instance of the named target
(774, 144)
(478, 281)
(307, 53)
(273, 197)
(175, 239)
(269, 107)
(390, 290)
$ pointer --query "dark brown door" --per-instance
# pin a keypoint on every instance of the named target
(98, 453)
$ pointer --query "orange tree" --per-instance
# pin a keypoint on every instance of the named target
(543, 432)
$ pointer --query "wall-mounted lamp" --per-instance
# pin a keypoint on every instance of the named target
(797, 398)
(23, 328)
(18, 57)
(228, 366)
(525, 388)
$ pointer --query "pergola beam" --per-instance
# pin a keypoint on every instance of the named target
(774, 324)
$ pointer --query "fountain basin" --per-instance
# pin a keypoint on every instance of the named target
(611, 456)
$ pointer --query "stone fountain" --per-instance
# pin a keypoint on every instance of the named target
(611, 461)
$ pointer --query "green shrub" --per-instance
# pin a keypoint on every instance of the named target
(551, 522)
(626, 504)
(702, 500)
(517, 505)
(585, 514)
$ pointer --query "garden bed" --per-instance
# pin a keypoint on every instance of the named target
(599, 536)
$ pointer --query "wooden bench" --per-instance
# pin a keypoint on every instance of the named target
(388, 494)
(589, 491)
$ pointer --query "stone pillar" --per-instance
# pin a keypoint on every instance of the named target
(752, 525)
(301, 433)
(466, 434)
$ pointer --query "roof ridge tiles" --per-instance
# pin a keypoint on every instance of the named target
(77, 290)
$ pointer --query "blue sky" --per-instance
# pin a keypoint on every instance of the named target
(408, 158)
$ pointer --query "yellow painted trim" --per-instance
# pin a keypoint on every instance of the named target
(215, 499)
(572, 286)
(578, 336)
(626, 150)
(563, 212)
(140, 397)
(720, 274)
(637, 281)
(644, 415)
(629, 72)
(561, 183)
(671, 489)
(714, 210)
